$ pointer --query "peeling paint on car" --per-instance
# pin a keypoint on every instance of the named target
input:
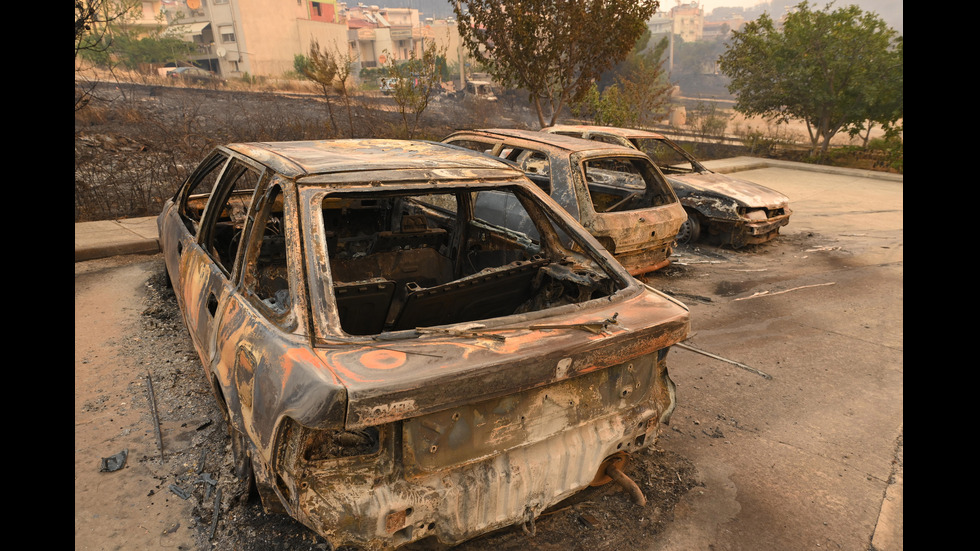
(383, 355)
(729, 210)
(636, 221)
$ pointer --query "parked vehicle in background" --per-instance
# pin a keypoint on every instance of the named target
(195, 75)
(387, 85)
(616, 192)
(726, 210)
(391, 364)
(480, 90)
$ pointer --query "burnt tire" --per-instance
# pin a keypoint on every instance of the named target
(690, 230)
(242, 466)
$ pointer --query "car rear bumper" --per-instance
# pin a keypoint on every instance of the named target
(463, 472)
(646, 260)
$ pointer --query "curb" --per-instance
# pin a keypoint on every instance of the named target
(738, 164)
(106, 238)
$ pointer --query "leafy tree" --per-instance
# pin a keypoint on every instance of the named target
(826, 68)
(93, 38)
(343, 82)
(696, 58)
(321, 67)
(639, 91)
(415, 80)
(442, 68)
(105, 35)
(885, 99)
(301, 64)
(135, 51)
(332, 71)
(553, 49)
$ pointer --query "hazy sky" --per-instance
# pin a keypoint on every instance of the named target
(709, 5)
(889, 10)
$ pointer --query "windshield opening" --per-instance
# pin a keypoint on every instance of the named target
(401, 260)
(669, 158)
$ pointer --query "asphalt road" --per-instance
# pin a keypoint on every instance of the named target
(811, 458)
(790, 388)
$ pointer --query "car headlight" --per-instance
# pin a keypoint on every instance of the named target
(754, 214)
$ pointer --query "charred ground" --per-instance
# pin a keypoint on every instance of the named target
(601, 517)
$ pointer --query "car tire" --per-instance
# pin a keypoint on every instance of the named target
(690, 230)
(242, 465)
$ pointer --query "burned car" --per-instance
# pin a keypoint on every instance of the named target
(727, 210)
(617, 194)
(394, 367)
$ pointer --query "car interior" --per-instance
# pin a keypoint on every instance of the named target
(402, 262)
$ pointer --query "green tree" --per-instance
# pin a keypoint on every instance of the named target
(696, 58)
(885, 103)
(638, 93)
(415, 79)
(321, 68)
(553, 49)
(112, 38)
(93, 39)
(301, 64)
(106, 36)
(93, 18)
(332, 72)
(822, 67)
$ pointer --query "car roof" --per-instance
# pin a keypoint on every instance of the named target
(624, 132)
(323, 157)
(554, 140)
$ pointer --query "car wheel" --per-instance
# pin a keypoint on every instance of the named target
(242, 464)
(690, 230)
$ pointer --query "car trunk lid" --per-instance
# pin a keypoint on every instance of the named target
(388, 381)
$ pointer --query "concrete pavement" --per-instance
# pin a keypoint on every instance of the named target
(718, 508)
(106, 238)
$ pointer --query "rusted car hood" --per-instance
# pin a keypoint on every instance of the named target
(748, 194)
(393, 380)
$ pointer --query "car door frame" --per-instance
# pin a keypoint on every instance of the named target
(208, 285)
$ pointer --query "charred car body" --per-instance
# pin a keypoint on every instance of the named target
(394, 367)
(618, 195)
(727, 210)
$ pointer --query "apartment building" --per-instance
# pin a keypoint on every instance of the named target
(375, 34)
(258, 37)
(688, 21)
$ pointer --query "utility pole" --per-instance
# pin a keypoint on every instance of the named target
(459, 56)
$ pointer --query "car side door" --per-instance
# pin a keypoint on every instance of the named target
(181, 221)
(209, 266)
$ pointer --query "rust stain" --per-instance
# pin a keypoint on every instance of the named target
(383, 359)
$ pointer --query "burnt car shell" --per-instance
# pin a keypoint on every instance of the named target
(729, 210)
(393, 368)
(637, 223)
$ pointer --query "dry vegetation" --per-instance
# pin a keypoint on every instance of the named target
(136, 142)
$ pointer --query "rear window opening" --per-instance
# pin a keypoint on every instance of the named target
(402, 261)
(622, 184)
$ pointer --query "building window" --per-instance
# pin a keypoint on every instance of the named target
(316, 9)
(227, 33)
